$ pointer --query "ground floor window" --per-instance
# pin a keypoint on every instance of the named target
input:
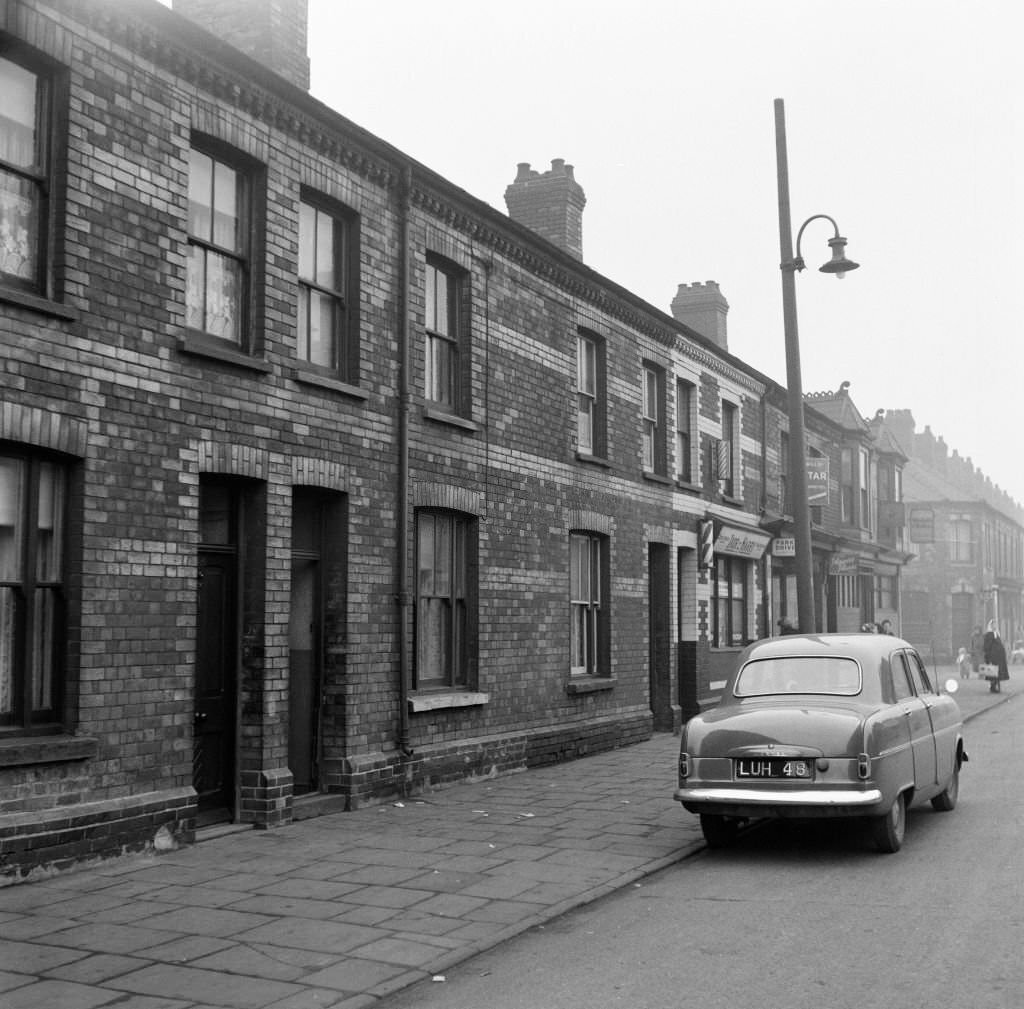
(587, 578)
(848, 591)
(33, 495)
(729, 602)
(445, 585)
(885, 592)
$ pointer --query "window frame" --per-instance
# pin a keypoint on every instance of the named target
(588, 606)
(653, 419)
(727, 473)
(28, 613)
(961, 550)
(244, 256)
(41, 174)
(451, 340)
(727, 605)
(591, 403)
(343, 295)
(685, 402)
(457, 667)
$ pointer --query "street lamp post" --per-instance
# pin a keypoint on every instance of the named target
(790, 264)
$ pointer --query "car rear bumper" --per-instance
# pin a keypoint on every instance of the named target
(780, 801)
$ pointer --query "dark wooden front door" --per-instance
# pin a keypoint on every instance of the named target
(214, 719)
(660, 636)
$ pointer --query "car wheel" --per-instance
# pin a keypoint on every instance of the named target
(719, 831)
(889, 830)
(946, 800)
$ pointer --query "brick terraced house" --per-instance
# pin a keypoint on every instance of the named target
(322, 481)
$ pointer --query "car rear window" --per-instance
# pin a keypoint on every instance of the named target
(802, 674)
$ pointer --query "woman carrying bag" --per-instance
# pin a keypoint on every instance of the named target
(995, 655)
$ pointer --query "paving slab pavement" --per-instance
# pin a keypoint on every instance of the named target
(343, 910)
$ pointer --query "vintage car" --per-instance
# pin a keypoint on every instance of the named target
(823, 725)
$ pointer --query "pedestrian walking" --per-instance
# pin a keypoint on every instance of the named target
(995, 655)
(963, 663)
(977, 648)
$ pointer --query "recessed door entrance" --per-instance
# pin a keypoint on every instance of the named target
(214, 717)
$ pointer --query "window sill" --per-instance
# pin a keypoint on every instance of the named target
(210, 347)
(733, 502)
(594, 460)
(25, 750)
(686, 485)
(443, 417)
(589, 684)
(448, 699)
(308, 376)
(653, 477)
(42, 305)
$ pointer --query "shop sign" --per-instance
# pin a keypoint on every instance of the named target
(784, 546)
(741, 543)
(817, 480)
(843, 564)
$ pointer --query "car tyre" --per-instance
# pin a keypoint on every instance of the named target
(946, 800)
(889, 830)
(719, 831)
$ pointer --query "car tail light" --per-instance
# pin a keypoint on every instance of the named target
(863, 766)
(684, 765)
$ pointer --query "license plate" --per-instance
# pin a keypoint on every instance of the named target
(773, 767)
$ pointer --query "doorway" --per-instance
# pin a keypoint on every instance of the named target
(216, 666)
(305, 641)
(660, 637)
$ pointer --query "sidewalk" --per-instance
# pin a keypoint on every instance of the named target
(342, 910)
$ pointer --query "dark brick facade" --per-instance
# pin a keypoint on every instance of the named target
(151, 421)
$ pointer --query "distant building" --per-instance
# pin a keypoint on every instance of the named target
(967, 536)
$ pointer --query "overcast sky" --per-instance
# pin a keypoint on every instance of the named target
(903, 122)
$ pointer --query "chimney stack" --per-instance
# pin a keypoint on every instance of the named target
(550, 203)
(275, 32)
(703, 307)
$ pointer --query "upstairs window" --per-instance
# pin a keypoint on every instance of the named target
(442, 374)
(864, 487)
(590, 398)
(218, 251)
(32, 523)
(325, 333)
(684, 426)
(960, 546)
(846, 488)
(728, 450)
(24, 175)
(654, 420)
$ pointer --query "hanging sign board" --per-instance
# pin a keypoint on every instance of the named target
(817, 480)
(784, 546)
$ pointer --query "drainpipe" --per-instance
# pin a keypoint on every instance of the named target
(404, 596)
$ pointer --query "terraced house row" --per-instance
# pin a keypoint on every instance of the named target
(322, 481)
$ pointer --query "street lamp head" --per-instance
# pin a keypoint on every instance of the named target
(838, 264)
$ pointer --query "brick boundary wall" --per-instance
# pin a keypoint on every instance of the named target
(368, 780)
(33, 843)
